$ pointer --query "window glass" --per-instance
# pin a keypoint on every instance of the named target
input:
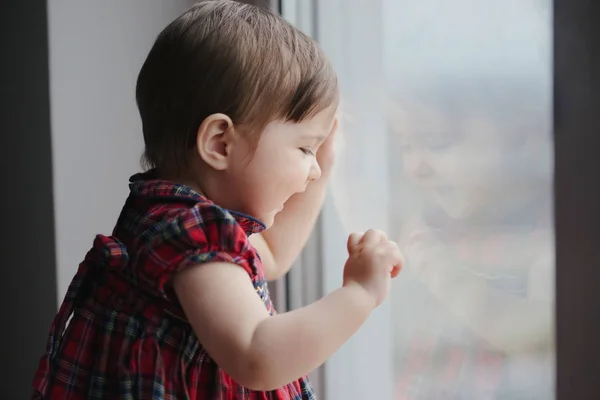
(446, 144)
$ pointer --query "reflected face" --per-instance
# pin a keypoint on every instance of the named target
(455, 161)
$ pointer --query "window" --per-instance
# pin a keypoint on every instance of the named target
(446, 145)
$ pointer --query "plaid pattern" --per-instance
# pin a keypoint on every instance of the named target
(449, 367)
(128, 337)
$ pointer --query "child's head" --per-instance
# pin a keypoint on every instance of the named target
(476, 146)
(217, 82)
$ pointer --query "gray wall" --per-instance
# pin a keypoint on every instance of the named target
(96, 51)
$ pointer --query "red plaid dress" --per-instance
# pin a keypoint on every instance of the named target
(128, 337)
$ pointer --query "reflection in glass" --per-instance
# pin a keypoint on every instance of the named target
(469, 125)
(455, 161)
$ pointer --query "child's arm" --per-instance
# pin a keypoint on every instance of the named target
(263, 352)
(280, 245)
(256, 350)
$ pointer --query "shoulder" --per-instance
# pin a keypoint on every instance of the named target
(168, 226)
(204, 226)
(170, 236)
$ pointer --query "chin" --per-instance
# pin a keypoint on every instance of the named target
(269, 219)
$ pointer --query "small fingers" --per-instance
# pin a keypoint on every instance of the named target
(373, 236)
(396, 259)
(354, 240)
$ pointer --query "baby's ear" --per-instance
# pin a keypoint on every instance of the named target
(212, 140)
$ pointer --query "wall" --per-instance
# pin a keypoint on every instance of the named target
(96, 51)
(71, 137)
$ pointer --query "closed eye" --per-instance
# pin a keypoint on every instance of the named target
(306, 151)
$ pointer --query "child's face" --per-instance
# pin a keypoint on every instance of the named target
(456, 162)
(282, 165)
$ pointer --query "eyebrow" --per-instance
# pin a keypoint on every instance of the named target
(317, 137)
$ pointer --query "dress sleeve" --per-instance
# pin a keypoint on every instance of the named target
(198, 235)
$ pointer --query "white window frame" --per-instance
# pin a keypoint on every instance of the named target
(363, 367)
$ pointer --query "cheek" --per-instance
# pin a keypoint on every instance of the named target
(467, 166)
(473, 176)
(452, 169)
(279, 177)
(483, 167)
(292, 173)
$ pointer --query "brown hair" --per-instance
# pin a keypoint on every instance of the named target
(232, 58)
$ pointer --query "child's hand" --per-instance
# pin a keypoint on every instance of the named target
(326, 153)
(373, 260)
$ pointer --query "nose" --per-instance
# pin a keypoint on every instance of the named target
(418, 167)
(315, 171)
(423, 170)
